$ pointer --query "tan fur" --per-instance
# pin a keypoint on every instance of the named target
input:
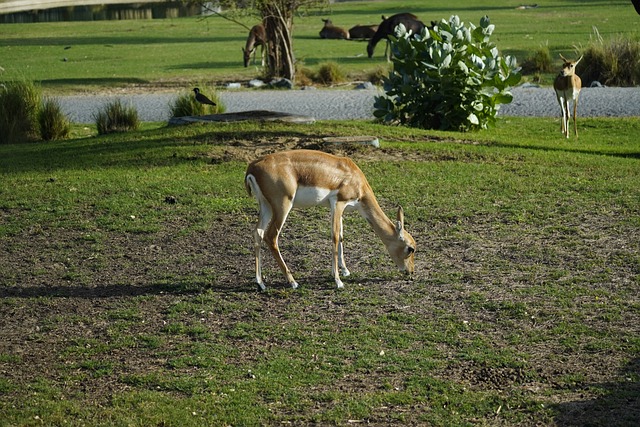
(567, 86)
(302, 178)
(330, 31)
(257, 37)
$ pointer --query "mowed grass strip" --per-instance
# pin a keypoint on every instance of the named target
(88, 56)
(126, 265)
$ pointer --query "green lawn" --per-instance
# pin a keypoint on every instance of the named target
(126, 261)
(179, 51)
(120, 307)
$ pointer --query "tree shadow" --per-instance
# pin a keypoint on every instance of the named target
(618, 406)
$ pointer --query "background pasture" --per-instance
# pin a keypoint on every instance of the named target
(81, 56)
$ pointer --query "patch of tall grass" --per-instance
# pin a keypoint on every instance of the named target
(116, 117)
(186, 105)
(19, 105)
(330, 73)
(612, 63)
(53, 123)
(538, 62)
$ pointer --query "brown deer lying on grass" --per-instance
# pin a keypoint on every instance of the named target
(362, 32)
(388, 27)
(257, 37)
(567, 87)
(330, 31)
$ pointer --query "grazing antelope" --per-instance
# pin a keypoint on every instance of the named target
(363, 32)
(567, 86)
(257, 37)
(330, 31)
(306, 178)
(388, 27)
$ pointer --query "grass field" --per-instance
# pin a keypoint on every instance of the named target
(120, 307)
(126, 261)
(85, 56)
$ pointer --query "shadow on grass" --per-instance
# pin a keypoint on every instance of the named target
(103, 81)
(116, 291)
(120, 150)
(618, 406)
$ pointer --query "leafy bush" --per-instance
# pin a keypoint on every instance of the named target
(186, 104)
(19, 104)
(116, 117)
(616, 63)
(450, 77)
(53, 123)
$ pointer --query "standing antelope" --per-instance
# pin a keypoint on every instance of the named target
(257, 37)
(567, 86)
(388, 27)
(306, 178)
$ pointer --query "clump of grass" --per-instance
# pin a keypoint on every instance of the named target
(19, 105)
(116, 117)
(304, 76)
(615, 63)
(538, 62)
(53, 123)
(186, 105)
(377, 75)
(330, 73)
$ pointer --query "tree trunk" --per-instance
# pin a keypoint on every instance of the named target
(278, 20)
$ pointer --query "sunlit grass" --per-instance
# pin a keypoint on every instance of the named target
(168, 52)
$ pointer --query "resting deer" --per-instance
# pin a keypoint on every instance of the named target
(306, 178)
(363, 32)
(257, 37)
(330, 31)
(567, 86)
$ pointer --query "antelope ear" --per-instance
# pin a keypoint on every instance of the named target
(400, 223)
(580, 59)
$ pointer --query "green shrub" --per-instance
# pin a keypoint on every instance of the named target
(539, 62)
(450, 77)
(616, 63)
(116, 117)
(53, 123)
(186, 105)
(330, 73)
(19, 104)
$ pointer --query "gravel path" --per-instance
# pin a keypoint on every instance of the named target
(528, 101)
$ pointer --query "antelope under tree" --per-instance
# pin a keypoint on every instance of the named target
(306, 178)
(388, 27)
(567, 86)
(257, 37)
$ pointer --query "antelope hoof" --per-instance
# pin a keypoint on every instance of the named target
(294, 285)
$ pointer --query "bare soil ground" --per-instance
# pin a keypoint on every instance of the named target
(63, 289)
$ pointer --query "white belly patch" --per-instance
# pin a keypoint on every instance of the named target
(307, 197)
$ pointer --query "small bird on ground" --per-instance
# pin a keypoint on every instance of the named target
(202, 99)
